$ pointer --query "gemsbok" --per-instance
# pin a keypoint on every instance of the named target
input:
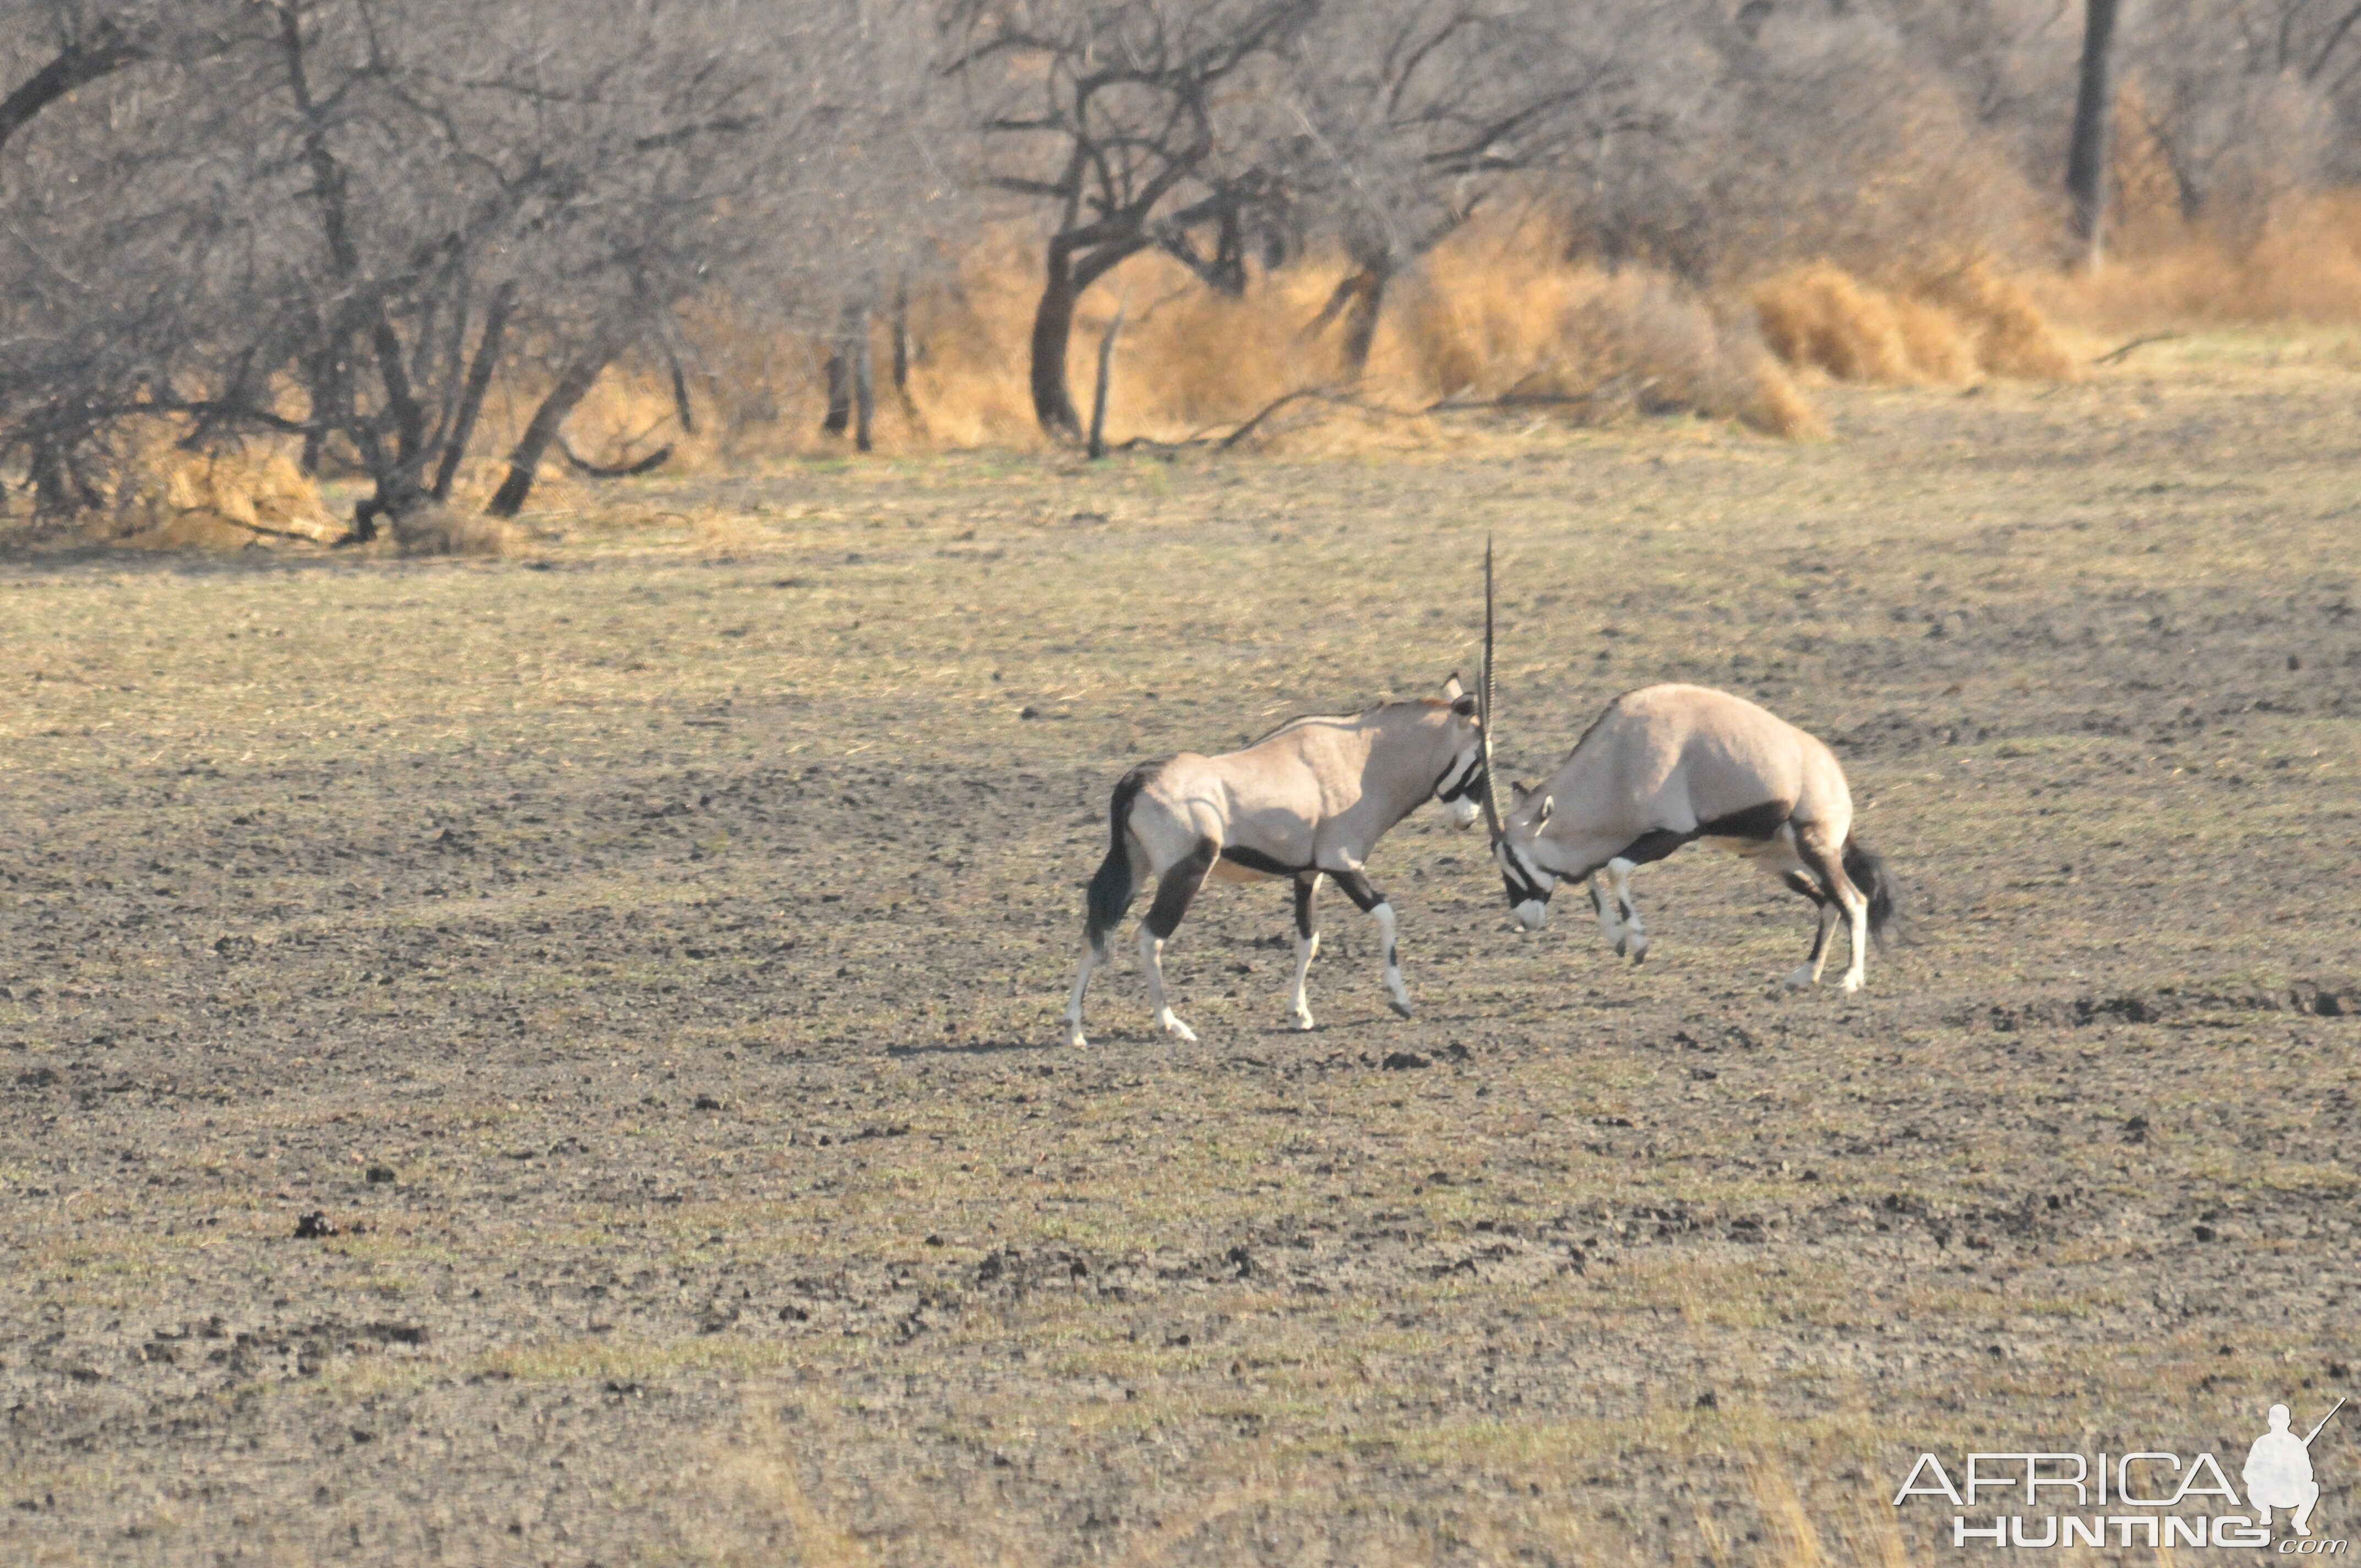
(1667, 765)
(1309, 800)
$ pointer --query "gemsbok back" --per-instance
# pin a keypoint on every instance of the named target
(1307, 801)
(1668, 765)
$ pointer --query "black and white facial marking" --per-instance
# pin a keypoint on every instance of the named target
(1458, 788)
(1462, 785)
(1529, 885)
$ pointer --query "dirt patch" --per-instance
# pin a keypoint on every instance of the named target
(647, 959)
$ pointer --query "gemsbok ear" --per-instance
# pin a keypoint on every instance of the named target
(1549, 803)
(1452, 688)
(1463, 705)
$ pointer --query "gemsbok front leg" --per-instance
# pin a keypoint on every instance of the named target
(1631, 937)
(1377, 907)
(1174, 890)
(1307, 942)
(1602, 899)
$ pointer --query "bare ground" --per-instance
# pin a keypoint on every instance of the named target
(645, 957)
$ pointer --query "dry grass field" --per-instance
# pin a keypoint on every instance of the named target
(646, 954)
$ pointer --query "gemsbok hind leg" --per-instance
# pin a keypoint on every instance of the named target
(1377, 907)
(1826, 861)
(1824, 926)
(1174, 890)
(1307, 942)
(1111, 893)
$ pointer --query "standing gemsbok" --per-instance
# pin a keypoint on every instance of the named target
(1311, 799)
(1668, 764)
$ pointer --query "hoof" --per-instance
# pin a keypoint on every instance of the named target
(1799, 977)
(1304, 1022)
(1639, 952)
(1852, 982)
(1622, 943)
(1400, 1007)
(1177, 1029)
(1074, 1037)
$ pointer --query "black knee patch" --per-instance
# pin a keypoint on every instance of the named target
(1176, 888)
(1356, 888)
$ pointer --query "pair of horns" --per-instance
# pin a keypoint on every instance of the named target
(1492, 818)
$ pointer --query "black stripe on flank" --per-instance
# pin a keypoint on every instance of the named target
(1756, 822)
(1255, 861)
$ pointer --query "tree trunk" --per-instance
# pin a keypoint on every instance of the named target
(904, 352)
(525, 461)
(2094, 111)
(682, 409)
(840, 392)
(864, 378)
(1361, 318)
(53, 486)
(902, 339)
(1099, 394)
(471, 396)
(1053, 329)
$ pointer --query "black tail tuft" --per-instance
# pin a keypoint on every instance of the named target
(1111, 888)
(1867, 870)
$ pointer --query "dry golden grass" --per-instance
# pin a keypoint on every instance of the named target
(160, 496)
(1946, 329)
(2301, 267)
(1497, 317)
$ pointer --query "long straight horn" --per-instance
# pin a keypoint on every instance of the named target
(1492, 821)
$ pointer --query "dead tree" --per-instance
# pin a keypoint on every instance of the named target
(580, 373)
(1415, 114)
(853, 380)
(2094, 113)
(106, 47)
(1129, 104)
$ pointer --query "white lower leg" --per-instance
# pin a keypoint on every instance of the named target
(1306, 948)
(1384, 915)
(1809, 971)
(1635, 936)
(1074, 1002)
(1152, 958)
(1610, 924)
(1857, 912)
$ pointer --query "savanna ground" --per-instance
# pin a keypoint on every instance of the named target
(647, 956)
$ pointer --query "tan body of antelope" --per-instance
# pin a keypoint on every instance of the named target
(1669, 765)
(1309, 800)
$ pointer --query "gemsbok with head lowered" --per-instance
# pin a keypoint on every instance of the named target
(1309, 800)
(1668, 765)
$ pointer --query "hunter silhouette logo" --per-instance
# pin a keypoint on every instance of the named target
(2143, 1497)
(2279, 1471)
